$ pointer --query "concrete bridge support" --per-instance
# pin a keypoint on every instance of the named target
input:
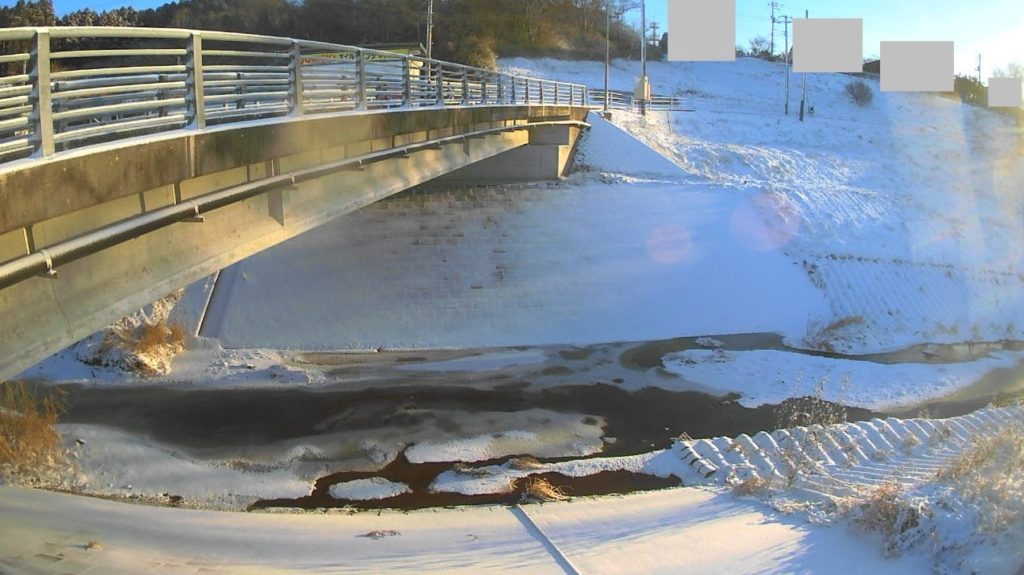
(51, 206)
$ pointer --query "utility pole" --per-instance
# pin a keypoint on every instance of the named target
(803, 97)
(607, 50)
(979, 68)
(654, 32)
(643, 57)
(430, 28)
(774, 6)
(786, 20)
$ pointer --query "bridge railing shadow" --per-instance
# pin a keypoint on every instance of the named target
(63, 88)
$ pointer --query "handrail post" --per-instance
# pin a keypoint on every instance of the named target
(295, 87)
(501, 90)
(240, 91)
(196, 105)
(361, 77)
(465, 87)
(406, 81)
(541, 84)
(439, 82)
(42, 102)
(526, 84)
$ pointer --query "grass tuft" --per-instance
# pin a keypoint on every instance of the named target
(29, 442)
(753, 485)
(540, 490)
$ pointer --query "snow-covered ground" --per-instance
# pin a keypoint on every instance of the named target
(769, 376)
(637, 255)
(819, 486)
(907, 213)
(859, 230)
(669, 531)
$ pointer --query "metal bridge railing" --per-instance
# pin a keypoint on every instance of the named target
(619, 100)
(67, 87)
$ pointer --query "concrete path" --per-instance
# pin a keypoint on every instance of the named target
(670, 531)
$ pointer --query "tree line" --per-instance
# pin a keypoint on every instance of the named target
(468, 31)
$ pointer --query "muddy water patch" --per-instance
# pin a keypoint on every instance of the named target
(415, 493)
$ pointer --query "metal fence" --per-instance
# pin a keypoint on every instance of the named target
(66, 87)
(619, 100)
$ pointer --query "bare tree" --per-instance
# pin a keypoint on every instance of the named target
(759, 46)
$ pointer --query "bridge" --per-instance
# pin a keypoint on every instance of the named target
(134, 161)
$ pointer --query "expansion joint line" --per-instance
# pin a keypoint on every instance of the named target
(553, 549)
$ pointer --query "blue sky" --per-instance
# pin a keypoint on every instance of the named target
(993, 28)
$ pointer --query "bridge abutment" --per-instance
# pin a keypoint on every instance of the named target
(548, 156)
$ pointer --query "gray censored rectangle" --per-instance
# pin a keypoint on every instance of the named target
(1004, 92)
(702, 30)
(828, 45)
(917, 66)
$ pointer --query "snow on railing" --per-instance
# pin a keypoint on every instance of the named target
(66, 87)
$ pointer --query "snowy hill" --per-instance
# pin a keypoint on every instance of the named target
(907, 213)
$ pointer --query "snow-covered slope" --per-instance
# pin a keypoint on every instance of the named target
(907, 213)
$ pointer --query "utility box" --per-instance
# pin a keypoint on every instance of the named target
(642, 89)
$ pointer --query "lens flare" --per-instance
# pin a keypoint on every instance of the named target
(669, 244)
(765, 222)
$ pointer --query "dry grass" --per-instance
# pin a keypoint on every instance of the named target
(887, 510)
(146, 349)
(538, 489)
(29, 443)
(144, 343)
(153, 338)
(990, 475)
(826, 338)
(753, 485)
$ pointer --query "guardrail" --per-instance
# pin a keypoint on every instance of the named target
(66, 87)
(619, 100)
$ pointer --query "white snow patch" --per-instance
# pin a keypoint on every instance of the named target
(368, 489)
(770, 376)
(115, 462)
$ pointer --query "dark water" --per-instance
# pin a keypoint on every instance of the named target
(419, 476)
(639, 420)
(588, 384)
